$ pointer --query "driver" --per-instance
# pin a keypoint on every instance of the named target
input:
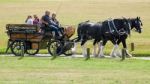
(49, 25)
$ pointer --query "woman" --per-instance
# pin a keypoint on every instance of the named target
(36, 20)
(29, 20)
(54, 19)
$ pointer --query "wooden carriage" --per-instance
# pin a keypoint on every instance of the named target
(24, 38)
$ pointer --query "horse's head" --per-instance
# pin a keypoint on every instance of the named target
(137, 24)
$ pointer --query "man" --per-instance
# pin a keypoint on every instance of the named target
(49, 25)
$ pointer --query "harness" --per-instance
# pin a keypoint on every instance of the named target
(112, 28)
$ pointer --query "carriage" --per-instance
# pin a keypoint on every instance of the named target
(26, 39)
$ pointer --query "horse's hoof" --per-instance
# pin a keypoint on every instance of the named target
(73, 56)
(120, 56)
(129, 55)
(101, 56)
(113, 56)
(85, 55)
(95, 56)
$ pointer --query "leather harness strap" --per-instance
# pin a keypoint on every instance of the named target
(111, 21)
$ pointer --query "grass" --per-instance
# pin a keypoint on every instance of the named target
(42, 70)
(72, 12)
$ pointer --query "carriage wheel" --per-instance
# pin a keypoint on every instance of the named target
(18, 48)
(68, 48)
(55, 48)
(32, 51)
(68, 52)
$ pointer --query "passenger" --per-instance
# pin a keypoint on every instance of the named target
(54, 19)
(36, 20)
(49, 25)
(29, 20)
(56, 22)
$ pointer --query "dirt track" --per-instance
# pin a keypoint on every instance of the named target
(48, 55)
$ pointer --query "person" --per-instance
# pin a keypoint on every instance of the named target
(29, 20)
(49, 25)
(36, 20)
(54, 19)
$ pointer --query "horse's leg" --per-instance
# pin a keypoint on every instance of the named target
(101, 54)
(125, 47)
(94, 50)
(113, 52)
(99, 44)
(84, 53)
(74, 49)
(119, 51)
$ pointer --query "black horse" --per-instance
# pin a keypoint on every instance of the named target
(112, 30)
(87, 31)
(107, 30)
(135, 24)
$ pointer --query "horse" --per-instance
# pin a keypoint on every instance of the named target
(112, 29)
(101, 31)
(136, 24)
(86, 31)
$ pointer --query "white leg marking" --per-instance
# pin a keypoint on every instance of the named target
(74, 49)
(94, 50)
(101, 54)
(113, 53)
(84, 50)
(99, 44)
(118, 52)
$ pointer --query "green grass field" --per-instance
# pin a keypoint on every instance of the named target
(72, 12)
(43, 70)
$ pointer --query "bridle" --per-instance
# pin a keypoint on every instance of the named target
(137, 24)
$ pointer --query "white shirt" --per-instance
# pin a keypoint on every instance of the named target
(30, 21)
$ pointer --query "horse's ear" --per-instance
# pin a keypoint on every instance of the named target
(139, 18)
